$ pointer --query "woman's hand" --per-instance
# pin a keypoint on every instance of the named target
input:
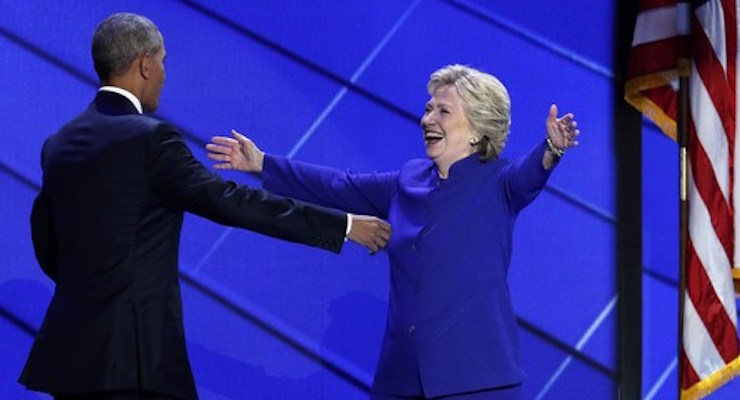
(561, 135)
(561, 131)
(238, 153)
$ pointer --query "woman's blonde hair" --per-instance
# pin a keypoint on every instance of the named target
(486, 103)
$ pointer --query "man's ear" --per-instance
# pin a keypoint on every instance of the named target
(145, 65)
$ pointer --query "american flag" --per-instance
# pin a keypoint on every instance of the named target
(698, 38)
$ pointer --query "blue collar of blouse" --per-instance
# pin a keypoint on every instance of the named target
(459, 169)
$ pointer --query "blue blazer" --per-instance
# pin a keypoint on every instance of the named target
(451, 327)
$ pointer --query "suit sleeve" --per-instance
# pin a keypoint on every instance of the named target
(525, 178)
(42, 233)
(184, 183)
(44, 239)
(356, 193)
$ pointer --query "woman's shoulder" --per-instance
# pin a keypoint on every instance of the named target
(414, 171)
(416, 164)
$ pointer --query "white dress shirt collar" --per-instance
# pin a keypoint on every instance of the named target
(125, 93)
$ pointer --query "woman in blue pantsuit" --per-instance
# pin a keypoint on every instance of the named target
(451, 331)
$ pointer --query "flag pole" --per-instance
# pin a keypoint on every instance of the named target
(682, 136)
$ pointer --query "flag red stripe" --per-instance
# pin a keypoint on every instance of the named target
(730, 14)
(706, 184)
(666, 98)
(709, 307)
(652, 57)
(713, 75)
(646, 5)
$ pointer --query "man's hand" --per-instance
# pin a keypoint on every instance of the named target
(371, 232)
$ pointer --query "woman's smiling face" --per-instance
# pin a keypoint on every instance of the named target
(447, 132)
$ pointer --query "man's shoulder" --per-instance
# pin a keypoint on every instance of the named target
(133, 121)
(113, 127)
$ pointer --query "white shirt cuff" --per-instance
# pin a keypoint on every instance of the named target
(349, 226)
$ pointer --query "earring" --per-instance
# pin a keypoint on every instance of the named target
(473, 141)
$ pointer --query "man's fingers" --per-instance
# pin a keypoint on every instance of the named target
(371, 232)
(384, 235)
(385, 226)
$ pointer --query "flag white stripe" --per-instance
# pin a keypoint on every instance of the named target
(656, 24)
(711, 17)
(697, 344)
(709, 250)
(710, 131)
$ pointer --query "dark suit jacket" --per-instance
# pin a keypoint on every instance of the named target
(106, 228)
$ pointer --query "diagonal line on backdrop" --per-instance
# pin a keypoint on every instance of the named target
(574, 353)
(387, 104)
(318, 69)
(90, 81)
(281, 331)
(581, 203)
(661, 379)
(272, 323)
(78, 74)
(48, 57)
(85, 78)
(17, 175)
(566, 348)
(579, 347)
(506, 24)
(356, 76)
(322, 116)
(660, 277)
(18, 322)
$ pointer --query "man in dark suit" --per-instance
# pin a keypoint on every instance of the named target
(106, 228)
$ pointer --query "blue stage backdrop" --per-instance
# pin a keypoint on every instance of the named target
(343, 83)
